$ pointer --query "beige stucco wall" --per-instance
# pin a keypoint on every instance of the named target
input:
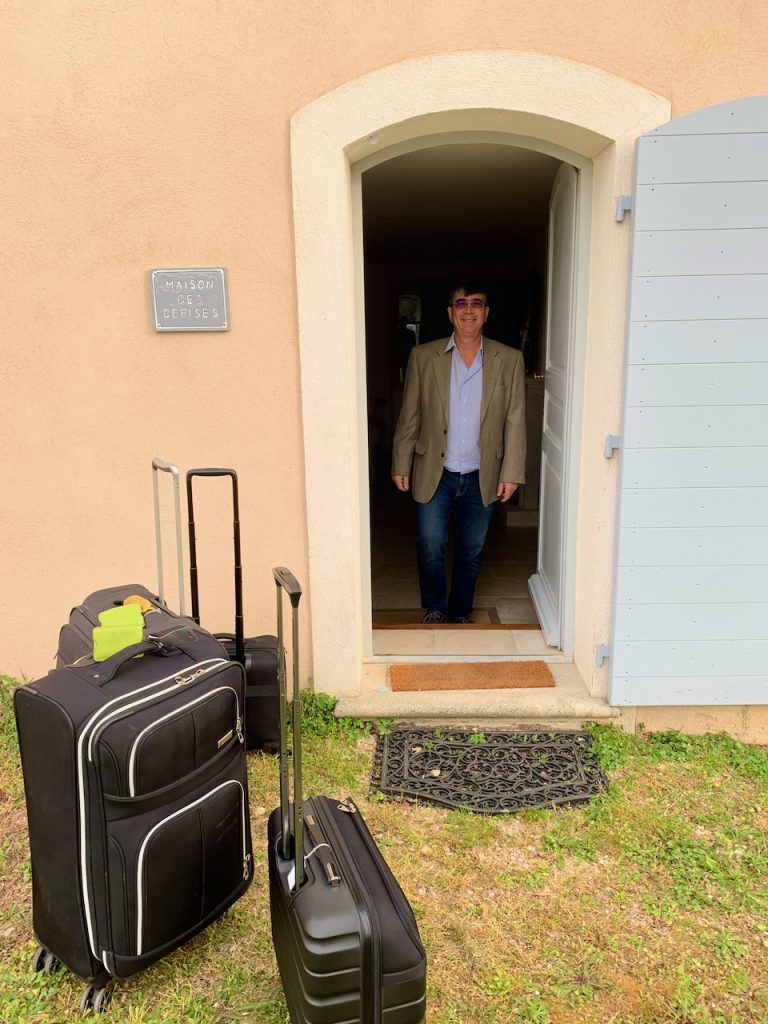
(139, 135)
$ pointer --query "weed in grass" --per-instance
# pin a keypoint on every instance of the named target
(612, 746)
(737, 980)
(567, 836)
(714, 753)
(533, 1010)
(8, 740)
(577, 979)
(466, 829)
(688, 993)
(333, 767)
(500, 984)
(317, 713)
(534, 878)
(728, 946)
(318, 718)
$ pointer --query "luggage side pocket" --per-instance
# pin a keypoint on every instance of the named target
(189, 864)
(174, 867)
(183, 740)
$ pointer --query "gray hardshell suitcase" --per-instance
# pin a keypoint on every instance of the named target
(347, 944)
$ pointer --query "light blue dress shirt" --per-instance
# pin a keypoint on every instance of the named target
(462, 453)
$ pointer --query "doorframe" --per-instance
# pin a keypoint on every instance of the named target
(586, 112)
(575, 358)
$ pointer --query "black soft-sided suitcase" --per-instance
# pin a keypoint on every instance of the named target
(346, 940)
(257, 654)
(76, 635)
(137, 803)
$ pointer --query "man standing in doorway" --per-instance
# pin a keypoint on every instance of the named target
(459, 445)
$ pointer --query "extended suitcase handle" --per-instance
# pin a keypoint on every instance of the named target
(285, 580)
(239, 628)
(159, 465)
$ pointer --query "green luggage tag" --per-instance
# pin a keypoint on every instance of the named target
(120, 627)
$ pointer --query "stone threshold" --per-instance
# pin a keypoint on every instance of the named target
(567, 705)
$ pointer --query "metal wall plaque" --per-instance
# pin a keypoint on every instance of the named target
(190, 299)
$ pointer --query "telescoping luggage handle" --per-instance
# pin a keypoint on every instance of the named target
(239, 629)
(158, 465)
(285, 580)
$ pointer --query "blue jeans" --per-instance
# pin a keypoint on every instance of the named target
(458, 497)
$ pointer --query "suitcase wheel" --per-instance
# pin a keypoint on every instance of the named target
(96, 998)
(45, 961)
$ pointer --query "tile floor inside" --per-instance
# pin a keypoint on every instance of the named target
(509, 559)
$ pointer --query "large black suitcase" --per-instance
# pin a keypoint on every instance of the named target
(137, 804)
(347, 944)
(257, 654)
(76, 635)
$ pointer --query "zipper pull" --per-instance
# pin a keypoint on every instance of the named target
(247, 867)
(183, 680)
(239, 729)
(347, 806)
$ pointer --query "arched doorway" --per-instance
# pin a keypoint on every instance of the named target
(579, 112)
(473, 205)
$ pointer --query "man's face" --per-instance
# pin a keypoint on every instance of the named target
(468, 313)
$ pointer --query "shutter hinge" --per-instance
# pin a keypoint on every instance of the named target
(612, 444)
(602, 652)
(623, 205)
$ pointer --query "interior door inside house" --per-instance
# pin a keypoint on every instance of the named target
(430, 218)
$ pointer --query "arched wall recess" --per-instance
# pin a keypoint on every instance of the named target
(575, 108)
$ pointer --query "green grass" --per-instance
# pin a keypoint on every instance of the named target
(646, 906)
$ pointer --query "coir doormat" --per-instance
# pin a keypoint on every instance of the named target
(470, 675)
(400, 618)
(492, 772)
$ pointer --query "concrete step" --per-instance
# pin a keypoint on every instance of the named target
(567, 705)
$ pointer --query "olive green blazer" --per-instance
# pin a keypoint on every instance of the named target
(418, 448)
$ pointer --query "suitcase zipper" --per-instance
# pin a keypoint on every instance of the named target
(134, 748)
(87, 642)
(368, 916)
(142, 850)
(399, 899)
(84, 757)
(177, 679)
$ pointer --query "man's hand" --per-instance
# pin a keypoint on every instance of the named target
(504, 491)
(402, 483)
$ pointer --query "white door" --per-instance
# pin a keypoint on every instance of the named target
(546, 585)
(691, 595)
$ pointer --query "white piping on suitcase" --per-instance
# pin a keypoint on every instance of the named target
(179, 679)
(148, 836)
(172, 714)
(92, 721)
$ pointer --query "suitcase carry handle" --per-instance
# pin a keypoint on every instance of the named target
(286, 581)
(159, 465)
(104, 671)
(239, 630)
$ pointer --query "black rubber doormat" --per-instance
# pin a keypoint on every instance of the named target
(489, 772)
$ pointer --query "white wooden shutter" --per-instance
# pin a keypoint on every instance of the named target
(691, 595)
